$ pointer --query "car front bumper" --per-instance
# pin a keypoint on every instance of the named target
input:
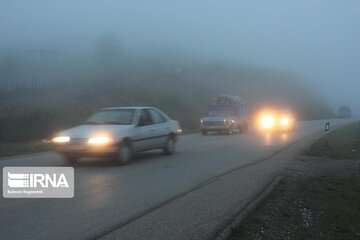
(87, 150)
(215, 127)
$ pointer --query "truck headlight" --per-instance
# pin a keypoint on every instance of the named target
(61, 139)
(100, 140)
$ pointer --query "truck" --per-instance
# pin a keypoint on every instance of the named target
(226, 114)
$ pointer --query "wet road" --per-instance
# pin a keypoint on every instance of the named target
(108, 197)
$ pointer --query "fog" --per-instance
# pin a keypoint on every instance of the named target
(317, 39)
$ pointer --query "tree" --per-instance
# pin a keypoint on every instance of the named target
(344, 112)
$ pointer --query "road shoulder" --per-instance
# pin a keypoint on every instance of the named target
(318, 198)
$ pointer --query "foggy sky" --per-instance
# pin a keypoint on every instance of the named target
(319, 39)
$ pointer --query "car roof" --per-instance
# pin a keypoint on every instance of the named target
(130, 107)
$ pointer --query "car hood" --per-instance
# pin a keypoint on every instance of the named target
(87, 130)
(214, 119)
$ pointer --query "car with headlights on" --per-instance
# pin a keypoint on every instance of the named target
(276, 120)
(118, 132)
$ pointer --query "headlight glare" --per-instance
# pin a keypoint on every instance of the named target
(61, 139)
(267, 121)
(99, 140)
(285, 121)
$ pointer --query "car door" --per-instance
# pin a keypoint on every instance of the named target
(161, 128)
(144, 131)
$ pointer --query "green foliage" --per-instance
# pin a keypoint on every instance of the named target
(70, 88)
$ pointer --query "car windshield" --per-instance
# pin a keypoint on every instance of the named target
(221, 113)
(119, 116)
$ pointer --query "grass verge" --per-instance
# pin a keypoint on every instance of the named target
(320, 206)
(311, 208)
(343, 143)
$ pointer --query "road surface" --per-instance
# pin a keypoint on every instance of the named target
(110, 198)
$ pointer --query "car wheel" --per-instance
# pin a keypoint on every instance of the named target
(125, 153)
(70, 159)
(170, 146)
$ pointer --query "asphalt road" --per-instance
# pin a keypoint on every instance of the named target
(109, 197)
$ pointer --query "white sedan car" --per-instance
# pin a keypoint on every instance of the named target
(119, 132)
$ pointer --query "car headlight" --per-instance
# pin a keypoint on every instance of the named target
(285, 121)
(267, 122)
(100, 140)
(61, 139)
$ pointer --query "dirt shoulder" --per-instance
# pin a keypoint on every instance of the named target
(318, 198)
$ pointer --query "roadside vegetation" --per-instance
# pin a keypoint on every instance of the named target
(319, 208)
(42, 91)
(344, 143)
(321, 203)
